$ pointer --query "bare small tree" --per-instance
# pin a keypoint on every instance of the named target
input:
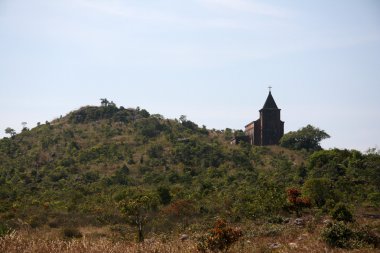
(24, 128)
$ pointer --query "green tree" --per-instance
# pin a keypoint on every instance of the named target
(164, 194)
(10, 131)
(139, 206)
(182, 118)
(228, 135)
(342, 213)
(318, 190)
(307, 138)
(104, 102)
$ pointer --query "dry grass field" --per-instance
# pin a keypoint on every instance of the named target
(19, 242)
(259, 238)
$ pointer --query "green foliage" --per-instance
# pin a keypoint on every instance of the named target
(337, 234)
(137, 207)
(156, 151)
(329, 163)
(93, 113)
(352, 175)
(228, 134)
(318, 190)
(363, 236)
(121, 176)
(100, 152)
(374, 199)
(73, 169)
(4, 229)
(341, 213)
(198, 153)
(342, 235)
(307, 138)
(276, 219)
(10, 131)
(149, 127)
(164, 195)
(107, 110)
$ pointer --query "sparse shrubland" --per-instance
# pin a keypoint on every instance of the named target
(125, 172)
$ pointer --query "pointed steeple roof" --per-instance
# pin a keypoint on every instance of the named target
(269, 103)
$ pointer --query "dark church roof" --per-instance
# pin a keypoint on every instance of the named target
(269, 103)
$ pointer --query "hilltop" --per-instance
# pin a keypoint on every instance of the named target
(75, 171)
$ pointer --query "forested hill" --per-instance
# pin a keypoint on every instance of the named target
(83, 164)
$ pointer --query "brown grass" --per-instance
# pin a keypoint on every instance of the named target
(258, 237)
(19, 242)
(292, 240)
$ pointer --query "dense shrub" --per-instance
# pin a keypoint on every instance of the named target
(164, 195)
(318, 190)
(149, 127)
(307, 138)
(374, 199)
(155, 151)
(342, 235)
(364, 236)
(276, 219)
(337, 234)
(93, 113)
(71, 233)
(341, 213)
(37, 220)
(195, 152)
(220, 238)
(297, 203)
(120, 176)
(329, 163)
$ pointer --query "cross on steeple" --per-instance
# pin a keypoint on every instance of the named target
(270, 88)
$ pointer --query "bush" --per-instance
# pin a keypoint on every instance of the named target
(341, 213)
(37, 220)
(219, 238)
(164, 194)
(337, 234)
(4, 229)
(318, 190)
(72, 233)
(297, 203)
(374, 199)
(276, 219)
(364, 236)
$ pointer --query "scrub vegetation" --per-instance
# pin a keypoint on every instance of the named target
(110, 179)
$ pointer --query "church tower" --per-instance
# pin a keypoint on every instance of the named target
(269, 128)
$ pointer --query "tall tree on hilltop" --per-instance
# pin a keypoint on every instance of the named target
(307, 138)
(10, 131)
(104, 102)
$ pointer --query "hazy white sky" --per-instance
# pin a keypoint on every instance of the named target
(211, 60)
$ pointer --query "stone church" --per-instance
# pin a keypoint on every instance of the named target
(268, 129)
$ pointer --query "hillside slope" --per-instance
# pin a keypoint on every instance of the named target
(75, 170)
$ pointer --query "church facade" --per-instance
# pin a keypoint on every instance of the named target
(269, 128)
